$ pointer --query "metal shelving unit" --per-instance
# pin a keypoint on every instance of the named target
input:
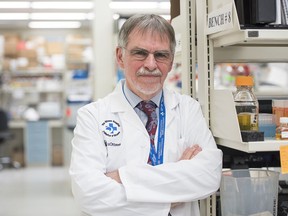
(234, 45)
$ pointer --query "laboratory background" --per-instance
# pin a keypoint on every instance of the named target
(56, 56)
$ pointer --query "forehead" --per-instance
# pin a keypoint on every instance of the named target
(153, 38)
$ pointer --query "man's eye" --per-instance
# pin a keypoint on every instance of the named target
(140, 53)
(160, 55)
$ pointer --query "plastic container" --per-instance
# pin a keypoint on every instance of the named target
(246, 104)
(279, 109)
(267, 124)
(282, 130)
(249, 193)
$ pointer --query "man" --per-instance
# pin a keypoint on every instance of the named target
(120, 168)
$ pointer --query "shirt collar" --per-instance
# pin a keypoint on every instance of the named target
(133, 99)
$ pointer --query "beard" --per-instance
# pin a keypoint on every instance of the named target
(149, 86)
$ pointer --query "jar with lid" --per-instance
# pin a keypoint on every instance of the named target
(282, 130)
(246, 104)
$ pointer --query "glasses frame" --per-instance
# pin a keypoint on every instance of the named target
(160, 56)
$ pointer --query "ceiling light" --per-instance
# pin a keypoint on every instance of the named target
(164, 5)
(14, 16)
(58, 16)
(90, 16)
(19, 5)
(52, 25)
(133, 5)
(62, 5)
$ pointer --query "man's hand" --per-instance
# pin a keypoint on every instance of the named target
(190, 152)
(114, 175)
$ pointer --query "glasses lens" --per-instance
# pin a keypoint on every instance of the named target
(162, 56)
(142, 54)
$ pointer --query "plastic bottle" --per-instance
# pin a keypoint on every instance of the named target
(279, 109)
(282, 130)
(246, 103)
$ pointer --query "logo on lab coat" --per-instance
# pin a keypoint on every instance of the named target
(111, 128)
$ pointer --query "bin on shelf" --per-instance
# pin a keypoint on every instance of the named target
(249, 193)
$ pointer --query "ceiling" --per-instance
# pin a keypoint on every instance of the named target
(13, 23)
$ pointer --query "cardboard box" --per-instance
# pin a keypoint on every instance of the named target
(28, 53)
(54, 48)
(10, 50)
(10, 45)
(75, 49)
(6, 64)
(11, 38)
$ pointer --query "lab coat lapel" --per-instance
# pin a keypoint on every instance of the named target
(119, 104)
(136, 138)
(170, 104)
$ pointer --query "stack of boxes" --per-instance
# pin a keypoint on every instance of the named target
(35, 52)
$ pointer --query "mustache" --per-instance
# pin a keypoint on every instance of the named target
(143, 72)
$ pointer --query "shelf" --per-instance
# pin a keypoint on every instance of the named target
(225, 127)
(263, 37)
(36, 72)
(263, 92)
(19, 124)
(240, 54)
(234, 35)
(33, 90)
(252, 147)
(79, 41)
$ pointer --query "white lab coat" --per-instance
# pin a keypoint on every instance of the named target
(109, 136)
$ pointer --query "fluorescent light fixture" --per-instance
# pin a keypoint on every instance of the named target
(14, 4)
(164, 5)
(14, 16)
(58, 16)
(62, 5)
(90, 16)
(54, 25)
(133, 5)
(140, 5)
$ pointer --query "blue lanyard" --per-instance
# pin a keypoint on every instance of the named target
(156, 157)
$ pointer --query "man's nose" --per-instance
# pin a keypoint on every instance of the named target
(150, 62)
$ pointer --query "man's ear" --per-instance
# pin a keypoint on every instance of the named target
(119, 57)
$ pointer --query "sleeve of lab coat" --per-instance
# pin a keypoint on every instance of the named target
(182, 181)
(92, 189)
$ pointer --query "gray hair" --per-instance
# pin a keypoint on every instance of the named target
(144, 23)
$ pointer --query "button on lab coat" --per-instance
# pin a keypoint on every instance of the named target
(109, 136)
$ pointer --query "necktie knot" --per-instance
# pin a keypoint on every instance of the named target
(148, 107)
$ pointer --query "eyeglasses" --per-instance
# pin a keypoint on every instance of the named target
(142, 54)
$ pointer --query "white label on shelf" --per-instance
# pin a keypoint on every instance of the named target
(220, 20)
